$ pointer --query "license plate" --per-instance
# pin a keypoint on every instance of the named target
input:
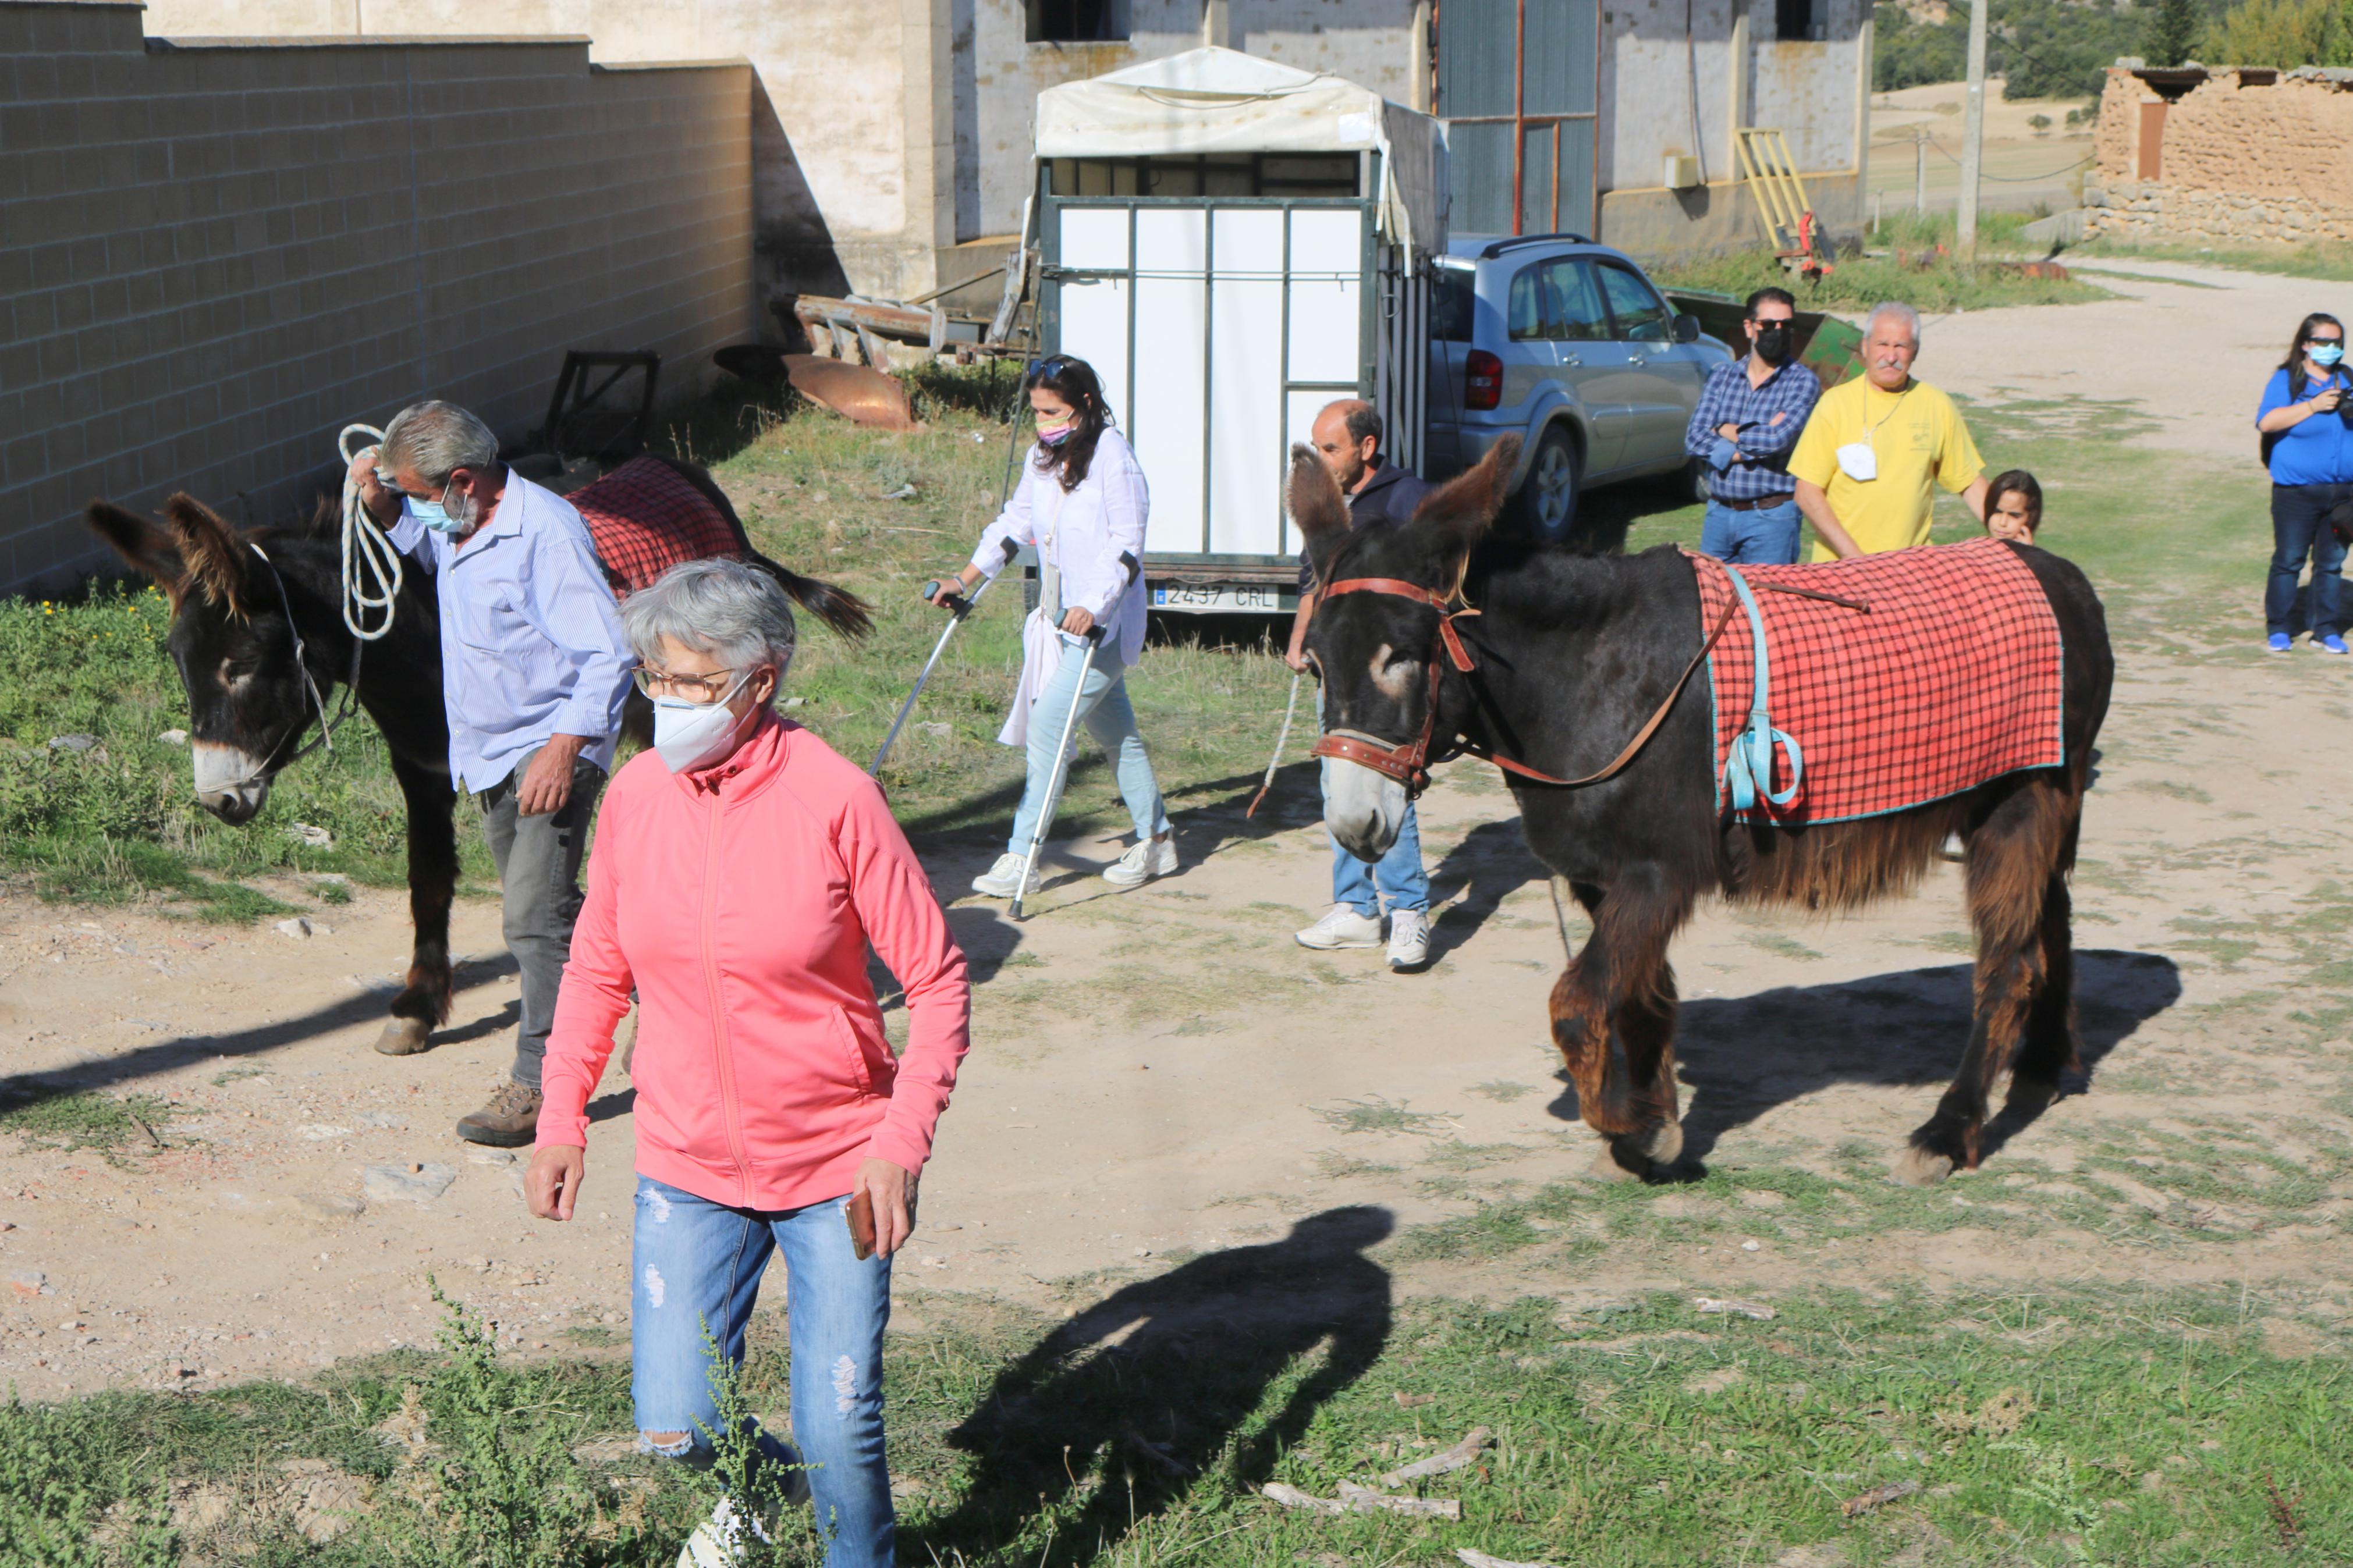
(1206, 599)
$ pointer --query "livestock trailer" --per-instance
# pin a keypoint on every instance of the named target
(1233, 243)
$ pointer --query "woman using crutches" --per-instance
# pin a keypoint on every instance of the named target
(1081, 502)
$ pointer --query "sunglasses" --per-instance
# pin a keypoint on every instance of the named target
(1052, 364)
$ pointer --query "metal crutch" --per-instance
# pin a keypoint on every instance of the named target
(1061, 773)
(958, 608)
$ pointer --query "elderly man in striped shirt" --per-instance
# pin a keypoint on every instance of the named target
(1749, 416)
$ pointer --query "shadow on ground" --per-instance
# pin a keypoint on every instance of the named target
(1747, 1056)
(1113, 1415)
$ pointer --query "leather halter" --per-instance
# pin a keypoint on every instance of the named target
(1409, 763)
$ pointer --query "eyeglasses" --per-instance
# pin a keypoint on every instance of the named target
(704, 689)
(1048, 366)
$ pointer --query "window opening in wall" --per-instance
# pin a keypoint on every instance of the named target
(1796, 20)
(1075, 21)
(1518, 86)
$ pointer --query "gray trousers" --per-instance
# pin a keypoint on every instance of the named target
(539, 884)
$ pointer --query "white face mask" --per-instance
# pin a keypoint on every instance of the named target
(690, 735)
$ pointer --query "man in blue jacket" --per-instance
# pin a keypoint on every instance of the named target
(1347, 437)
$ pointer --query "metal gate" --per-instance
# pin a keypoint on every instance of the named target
(1220, 327)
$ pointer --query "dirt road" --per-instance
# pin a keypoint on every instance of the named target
(1162, 1072)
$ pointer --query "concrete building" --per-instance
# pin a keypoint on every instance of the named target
(892, 137)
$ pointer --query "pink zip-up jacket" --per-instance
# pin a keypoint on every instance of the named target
(739, 902)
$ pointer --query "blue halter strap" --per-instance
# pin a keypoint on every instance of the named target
(1749, 770)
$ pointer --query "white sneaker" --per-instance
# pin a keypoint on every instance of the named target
(1409, 939)
(1003, 879)
(1149, 859)
(1340, 927)
(718, 1542)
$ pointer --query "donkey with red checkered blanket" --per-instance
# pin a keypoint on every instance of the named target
(1673, 727)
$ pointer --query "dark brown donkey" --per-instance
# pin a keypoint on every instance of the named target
(1570, 658)
(243, 603)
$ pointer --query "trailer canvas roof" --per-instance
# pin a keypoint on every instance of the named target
(1222, 101)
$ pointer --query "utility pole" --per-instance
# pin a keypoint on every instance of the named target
(1920, 173)
(1965, 225)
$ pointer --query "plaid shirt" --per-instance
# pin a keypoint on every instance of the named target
(1762, 469)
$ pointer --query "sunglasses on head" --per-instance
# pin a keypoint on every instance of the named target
(1052, 364)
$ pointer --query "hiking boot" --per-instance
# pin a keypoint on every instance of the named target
(1003, 879)
(1408, 938)
(1341, 927)
(1148, 858)
(509, 1121)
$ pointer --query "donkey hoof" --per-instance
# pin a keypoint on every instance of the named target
(1919, 1168)
(405, 1037)
(1619, 1160)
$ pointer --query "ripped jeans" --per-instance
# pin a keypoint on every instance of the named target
(694, 1261)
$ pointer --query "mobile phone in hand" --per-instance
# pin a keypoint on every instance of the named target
(859, 1212)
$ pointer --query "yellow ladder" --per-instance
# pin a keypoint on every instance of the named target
(1772, 176)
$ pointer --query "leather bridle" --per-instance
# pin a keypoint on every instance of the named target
(1409, 765)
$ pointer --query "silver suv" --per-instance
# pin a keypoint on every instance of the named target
(1569, 346)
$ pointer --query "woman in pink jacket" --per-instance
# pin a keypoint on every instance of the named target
(741, 870)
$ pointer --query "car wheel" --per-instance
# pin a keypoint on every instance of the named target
(1547, 504)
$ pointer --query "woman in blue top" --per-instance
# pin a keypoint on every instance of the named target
(2307, 429)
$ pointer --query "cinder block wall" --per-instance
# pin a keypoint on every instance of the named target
(214, 254)
(2238, 161)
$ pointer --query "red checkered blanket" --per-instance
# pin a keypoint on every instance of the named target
(1951, 679)
(644, 519)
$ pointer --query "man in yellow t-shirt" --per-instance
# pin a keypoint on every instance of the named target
(1873, 445)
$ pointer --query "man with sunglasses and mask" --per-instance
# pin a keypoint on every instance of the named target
(1748, 418)
(534, 666)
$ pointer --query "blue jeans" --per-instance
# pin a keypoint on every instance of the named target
(694, 1262)
(1110, 718)
(2300, 528)
(1768, 534)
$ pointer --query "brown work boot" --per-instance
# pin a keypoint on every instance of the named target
(510, 1121)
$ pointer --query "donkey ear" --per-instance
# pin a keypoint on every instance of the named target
(215, 560)
(141, 542)
(1464, 505)
(1317, 508)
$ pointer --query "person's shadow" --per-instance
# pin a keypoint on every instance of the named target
(1113, 1415)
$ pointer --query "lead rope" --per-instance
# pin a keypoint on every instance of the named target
(371, 561)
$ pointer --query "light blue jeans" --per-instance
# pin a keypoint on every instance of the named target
(1764, 534)
(1110, 718)
(694, 1262)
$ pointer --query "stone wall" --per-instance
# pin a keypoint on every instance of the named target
(218, 253)
(2245, 158)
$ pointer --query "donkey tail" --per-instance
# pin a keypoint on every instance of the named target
(838, 607)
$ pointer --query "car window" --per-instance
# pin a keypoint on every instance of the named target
(1453, 303)
(1556, 300)
(1642, 317)
(1581, 318)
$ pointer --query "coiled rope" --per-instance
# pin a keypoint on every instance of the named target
(371, 561)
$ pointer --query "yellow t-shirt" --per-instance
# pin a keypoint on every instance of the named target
(1917, 436)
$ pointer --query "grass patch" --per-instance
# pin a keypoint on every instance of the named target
(2110, 1426)
(1938, 287)
(1377, 1115)
(2327, 262)
(87, 1121)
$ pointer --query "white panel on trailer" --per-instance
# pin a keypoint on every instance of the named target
(1246, 455)
(1172, 297)
(1298, 412)
(1095, 315)
(1327, 260)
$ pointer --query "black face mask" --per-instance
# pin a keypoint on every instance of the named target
(1773, 343)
